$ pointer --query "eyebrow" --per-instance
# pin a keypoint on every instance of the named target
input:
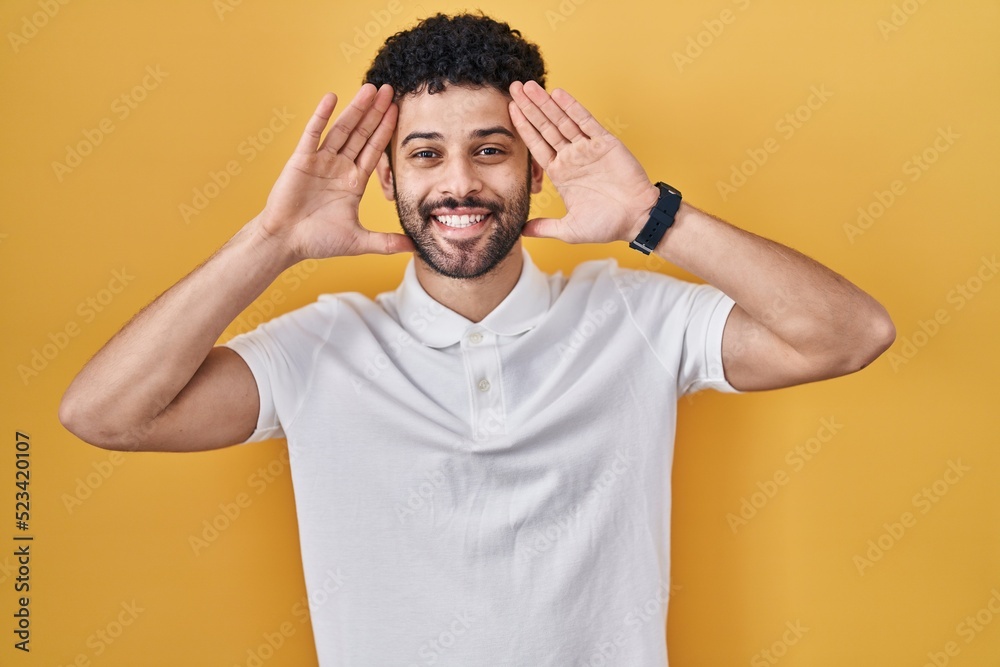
(433, 136)
(499, 129)
(476, 134)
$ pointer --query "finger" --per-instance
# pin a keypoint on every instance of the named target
(317, 123)
(381, 243)
(380, 138)
(543, 127)
(345, 124)
(369, 122)
(546, 116)
(576, 111)
(537, 146)
(554, 111)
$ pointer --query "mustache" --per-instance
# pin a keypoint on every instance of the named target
(426, 207)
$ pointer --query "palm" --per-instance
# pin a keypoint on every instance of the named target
(320, 196)
(604, 187)
(313, 206)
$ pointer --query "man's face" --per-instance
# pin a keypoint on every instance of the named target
(461, 178)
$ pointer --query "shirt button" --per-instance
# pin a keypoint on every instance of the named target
(484, 385)
(475, 338)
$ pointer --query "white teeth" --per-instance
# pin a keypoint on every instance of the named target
(459, 221)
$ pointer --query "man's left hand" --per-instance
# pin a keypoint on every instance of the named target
(607, 194)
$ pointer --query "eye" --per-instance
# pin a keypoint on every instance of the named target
(424, 154)
(491, 151)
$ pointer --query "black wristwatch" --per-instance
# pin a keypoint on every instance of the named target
(660, 219)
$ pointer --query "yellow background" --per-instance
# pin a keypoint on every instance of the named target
(224, 73)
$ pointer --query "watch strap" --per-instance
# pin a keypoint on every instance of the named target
(660, 219)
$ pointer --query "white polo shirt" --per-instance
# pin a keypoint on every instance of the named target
(492, 493)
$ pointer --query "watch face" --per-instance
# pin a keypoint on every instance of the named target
(672, 190)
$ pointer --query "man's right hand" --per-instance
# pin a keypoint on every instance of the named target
(161, 384)
(313, 208)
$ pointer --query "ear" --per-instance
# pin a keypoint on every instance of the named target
(384, 172)
(536, 176)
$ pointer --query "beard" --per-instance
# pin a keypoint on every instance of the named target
(463, 258)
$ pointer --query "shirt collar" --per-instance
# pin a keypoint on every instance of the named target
(438, 326)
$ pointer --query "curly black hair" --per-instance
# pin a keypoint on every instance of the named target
(465, 49)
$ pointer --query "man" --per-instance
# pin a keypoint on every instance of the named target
(484, 453)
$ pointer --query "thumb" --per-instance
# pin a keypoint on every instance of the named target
(382, 243)
(551, 228)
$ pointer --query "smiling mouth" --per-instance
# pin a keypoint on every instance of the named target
(460, 221)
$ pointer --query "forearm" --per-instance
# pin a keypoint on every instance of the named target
(795, 320)
(144, 366)
(811, 308)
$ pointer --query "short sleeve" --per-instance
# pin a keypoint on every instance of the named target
(280, 354)
(701, 361)
(253, 347)
(683, 323)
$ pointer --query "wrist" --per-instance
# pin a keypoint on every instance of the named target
(647, 201)
(660, 219)
(272, 249)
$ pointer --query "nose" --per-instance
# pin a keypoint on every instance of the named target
(460, 178)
